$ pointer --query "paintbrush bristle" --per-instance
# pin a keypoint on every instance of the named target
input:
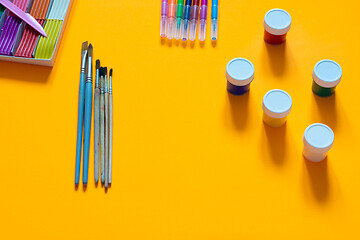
(97, 64)
(111, 70)
(101, 71)
(90, 50)
(84, 46)
(105, 71)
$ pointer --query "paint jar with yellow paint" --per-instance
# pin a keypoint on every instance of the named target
(318, 140)
(277, 106)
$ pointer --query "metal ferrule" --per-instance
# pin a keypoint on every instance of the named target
(110, 85)
(89, 70)
(102, 85)
(106, 85)
(97, 79)
(83, 62)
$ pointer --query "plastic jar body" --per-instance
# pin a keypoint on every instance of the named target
(322, 91)
(274, 39)
(237, 90)
(277, 23)
(313, 156)
(239, 75)
(274, 122)
(276, 107)
(326, 76)
(318, 139)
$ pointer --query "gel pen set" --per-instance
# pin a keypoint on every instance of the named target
(180, 19)
(103, 122)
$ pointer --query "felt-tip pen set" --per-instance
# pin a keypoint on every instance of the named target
(103, 122)
(180, 20)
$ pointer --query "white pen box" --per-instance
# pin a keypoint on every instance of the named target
(61, 12)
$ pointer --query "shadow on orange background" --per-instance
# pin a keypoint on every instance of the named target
(318, 179)
(276, 144)
(327, 110)
(239, 108)
(276, 57)
(24, 72)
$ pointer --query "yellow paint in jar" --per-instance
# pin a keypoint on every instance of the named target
(277, 106)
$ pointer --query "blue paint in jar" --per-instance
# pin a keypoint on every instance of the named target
(239, 74)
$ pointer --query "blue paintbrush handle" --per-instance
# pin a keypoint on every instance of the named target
(87, 129)
(80, 126)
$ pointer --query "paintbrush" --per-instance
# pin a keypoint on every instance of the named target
(80, 111)
(106, 131)
(96, 123)
(110, 124)
(102, 126)
(88, 113)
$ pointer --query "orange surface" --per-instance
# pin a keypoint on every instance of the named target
(190, 161)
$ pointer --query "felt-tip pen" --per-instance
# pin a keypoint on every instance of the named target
(171, 19)
(194, 17)
(179, 18)
(214, 20)
(185, 23)
(203, 16)
(163, 20)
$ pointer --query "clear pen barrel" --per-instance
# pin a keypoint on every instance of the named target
(171, 28)
(178, 28)
(214, 29)
(202, 30)
(193, 28)
(185, 30)
(163, 23)
(194, 16)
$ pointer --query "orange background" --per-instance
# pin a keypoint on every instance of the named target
(190, 160)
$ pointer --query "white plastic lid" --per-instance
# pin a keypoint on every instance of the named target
(277, 103)
(240, 72)
(277, 21)
(327, 73)
(318, 138)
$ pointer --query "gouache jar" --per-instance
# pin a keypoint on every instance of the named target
(239, 74)
(318, 140)
(326, 75)
(277, 23)
(276, 106)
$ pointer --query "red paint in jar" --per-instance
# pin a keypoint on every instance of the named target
(277, 23)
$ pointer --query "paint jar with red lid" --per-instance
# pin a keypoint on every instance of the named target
(277, 23)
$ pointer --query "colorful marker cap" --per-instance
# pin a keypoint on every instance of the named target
(277, 22)
(277, 103)
(240, 72)
(327, 73)
(318, 138)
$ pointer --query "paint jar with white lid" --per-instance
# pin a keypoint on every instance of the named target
(239, 74)
(276, 105)
(326, 76)
(277, 23)
(318, 140)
